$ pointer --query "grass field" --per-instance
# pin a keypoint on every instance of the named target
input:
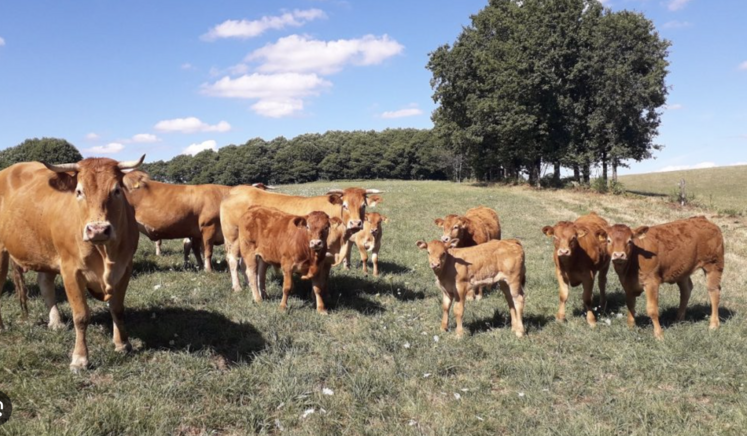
(210, 361)
(720, 189)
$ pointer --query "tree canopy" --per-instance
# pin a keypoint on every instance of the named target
(51, 150)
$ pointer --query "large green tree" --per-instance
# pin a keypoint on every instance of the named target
(52, 150)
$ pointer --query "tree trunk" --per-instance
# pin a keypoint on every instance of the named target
(556, 173)
(587, 172)
(576, 173)
(614, 170)
(604, 168)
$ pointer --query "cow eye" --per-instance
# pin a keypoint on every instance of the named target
(609, 240)
(456, 227)
(79, 193)
(630, 241)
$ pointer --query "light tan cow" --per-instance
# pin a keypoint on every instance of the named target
(580, 253)
(73, 220)
(369, 239)
(646, 257)
(459, 269)
(349, 205)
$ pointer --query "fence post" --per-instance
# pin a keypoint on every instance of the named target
(683, 196)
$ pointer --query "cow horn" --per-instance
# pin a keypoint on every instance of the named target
(131, 164)
(63, 168)
(270, 187)
(374, 191)
(335, 191)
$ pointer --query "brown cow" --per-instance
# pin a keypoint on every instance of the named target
(459, 269)
(268, 236)
(646, 257)
(478, 225)
(349, 205)
(73, 220)
(580, 253)
(168, 211)
(369, 239)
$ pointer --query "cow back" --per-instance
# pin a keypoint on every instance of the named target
(484, 224)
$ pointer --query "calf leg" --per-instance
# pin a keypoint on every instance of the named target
(652, 307)
(319, 286)
(158, 247)
(375, 261)
(364, 258)
(262, 276)
(250, 260)
(588, 285)
(514, 294)
(459, 308)
(563, 286)
(21, 290)
(713, 283)
(686, 287)
(630, 301)
(232, 256)
(446, 306)
(46, 285)
(287, 286)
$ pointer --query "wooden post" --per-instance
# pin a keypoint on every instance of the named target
(683, 196)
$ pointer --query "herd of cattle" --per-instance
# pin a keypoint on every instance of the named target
(82, 220)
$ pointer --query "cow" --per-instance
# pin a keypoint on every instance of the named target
(168, 211)
(369, 239)
(646, 257)
(459, 269)
(74, 220)
(478, 225)
(294, 243)
(580, 252)
(349, 205)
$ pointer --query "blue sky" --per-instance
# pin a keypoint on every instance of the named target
(169, 77)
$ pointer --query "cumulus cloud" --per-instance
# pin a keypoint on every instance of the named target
(743, 66)
(245, 29)
(193, 149)
(278, 94)
(2, 41)
(92, 136)
(110, 148)
(297, 53)
(190, 125)
(687, 167)
(145, 138)
(673, 107)
(675, 5)
(402, 113)
(676, 24)
(187, 66)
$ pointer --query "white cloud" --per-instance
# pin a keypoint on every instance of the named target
(402, 113)
(687, 167)
(2, 41)
(673, 107)
(245, 29)
(187, 66)
(110, 148)
(743, 66)
(675, 5)
(92, 136)
(676, 24)
(193, 149)
(299, 54)
(145, 138)
(278, 94)
(190, 125)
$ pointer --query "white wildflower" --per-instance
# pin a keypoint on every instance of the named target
(328, 391)
(307, 412)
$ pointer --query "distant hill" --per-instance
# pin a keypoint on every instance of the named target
(722, 188)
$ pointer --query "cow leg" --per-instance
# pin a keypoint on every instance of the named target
(232, 256)
(186, 247)
(364, 258)
(515, 298)
(686, 287)
(75, 289)
(446, 306)
(287, 286)
(652, 307)
(116, 308)
(207, 242)
(319, 286)
(345, 250)
(197, 249)
(21, 290)
(630, 301)
(46, 285)
(603, 289)
(588, 285)
(713, 283)
(4, 262)
(563, 286)
(158, 247)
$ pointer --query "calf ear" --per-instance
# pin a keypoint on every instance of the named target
(640, 232)
(373, 200)
(335, 198)
(384, 219)
(580, 233)
(299, 222)
(439, 222)
(334, 221)
(601, 235)
(548, 230)
(422, 245)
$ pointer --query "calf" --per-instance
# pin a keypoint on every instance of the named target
(460, 269)
(268, 236)
(646, 257)
(369, 239)
(580, 253)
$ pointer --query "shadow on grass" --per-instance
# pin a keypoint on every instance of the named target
(148, 266)
(190, 330)
(615, 303)
(384, 267)
(694, 313)
(502, 319)
(646, 194)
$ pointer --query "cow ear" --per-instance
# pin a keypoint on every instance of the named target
(640, 232)
(335, 198)
(374, 199)
(299, 222)
(384, 219)
(581, 232)
(454, 242)
(601, 235)
(422, 245)
(439, 222)
(548, 230)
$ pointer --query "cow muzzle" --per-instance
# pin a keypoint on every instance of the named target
(619, 256)
(564, 252)
(436, 266)
(445, 239)
(316, 244)
(355, 224)
(98, 232)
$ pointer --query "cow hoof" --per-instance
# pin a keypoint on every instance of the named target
(59, 325)
(123, 348)
(78, 364)
(322, 312)
(519, 334)
(235, 289)
(559, 319)
(710, 327)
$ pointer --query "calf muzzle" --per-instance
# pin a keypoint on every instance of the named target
(316, 244)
